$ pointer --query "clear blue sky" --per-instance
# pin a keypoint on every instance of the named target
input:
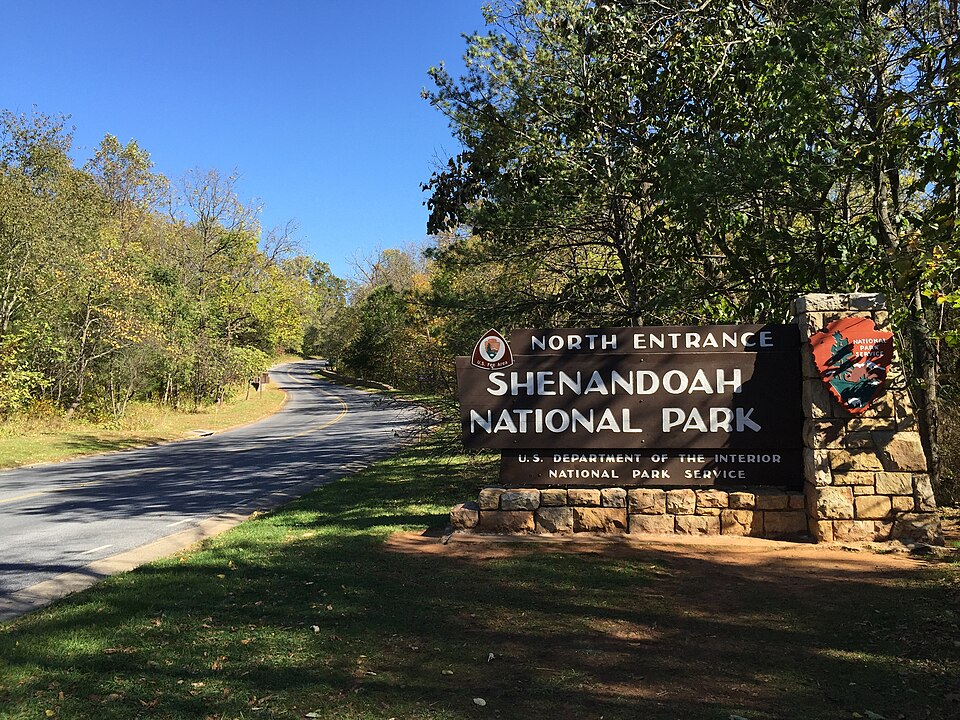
(316, 103)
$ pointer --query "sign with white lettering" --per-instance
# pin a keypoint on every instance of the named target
(660, 339)
(643, 393)
(853, 357)
(632, 401)
(591, 468)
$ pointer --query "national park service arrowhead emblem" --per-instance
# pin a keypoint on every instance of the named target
(492, 352)
(853, 358)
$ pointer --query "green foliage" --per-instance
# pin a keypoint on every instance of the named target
(19, 387)
(942, 273)
(662, 162)
(324, 298)
(18, 390)
(385, 331)
(654, 160)
(244, 363)
(379, 319)
(113, 287)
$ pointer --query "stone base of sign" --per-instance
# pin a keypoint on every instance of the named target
(865, 474)
(756, 513)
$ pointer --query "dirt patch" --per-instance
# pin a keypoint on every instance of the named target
(826, 560)
(703, 566)
(715, 627)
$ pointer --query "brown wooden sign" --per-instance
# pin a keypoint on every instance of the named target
(652, 401)
(671, 405)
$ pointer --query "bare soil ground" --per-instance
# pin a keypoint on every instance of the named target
(740, 627)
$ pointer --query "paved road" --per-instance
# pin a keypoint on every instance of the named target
(59, 518)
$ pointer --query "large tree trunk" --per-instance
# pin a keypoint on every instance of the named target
(623, 242)
(81, 364)
(926, 397)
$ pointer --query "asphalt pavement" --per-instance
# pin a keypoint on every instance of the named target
(67, 520)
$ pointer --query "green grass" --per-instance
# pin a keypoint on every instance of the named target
(26, 441)
(308, 609)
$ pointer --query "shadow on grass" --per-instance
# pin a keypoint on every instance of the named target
(306, 610)
(67, 446)
(86, 444)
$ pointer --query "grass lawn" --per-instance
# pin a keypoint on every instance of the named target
(317, 610)
(28, 441)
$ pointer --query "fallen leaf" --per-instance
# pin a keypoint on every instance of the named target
(446, 672)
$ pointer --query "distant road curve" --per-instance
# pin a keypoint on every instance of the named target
(61, 524)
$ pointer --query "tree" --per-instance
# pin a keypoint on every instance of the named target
(385, 331)
(124, 174)
(657, 161)
(34, 217)
(324, 297)
(104, 299)
(19, 386)
(551, 172)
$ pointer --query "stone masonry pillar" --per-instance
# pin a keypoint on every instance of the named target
(865, 475)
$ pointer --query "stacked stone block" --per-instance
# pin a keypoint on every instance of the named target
(682, 511)
(866, 475)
